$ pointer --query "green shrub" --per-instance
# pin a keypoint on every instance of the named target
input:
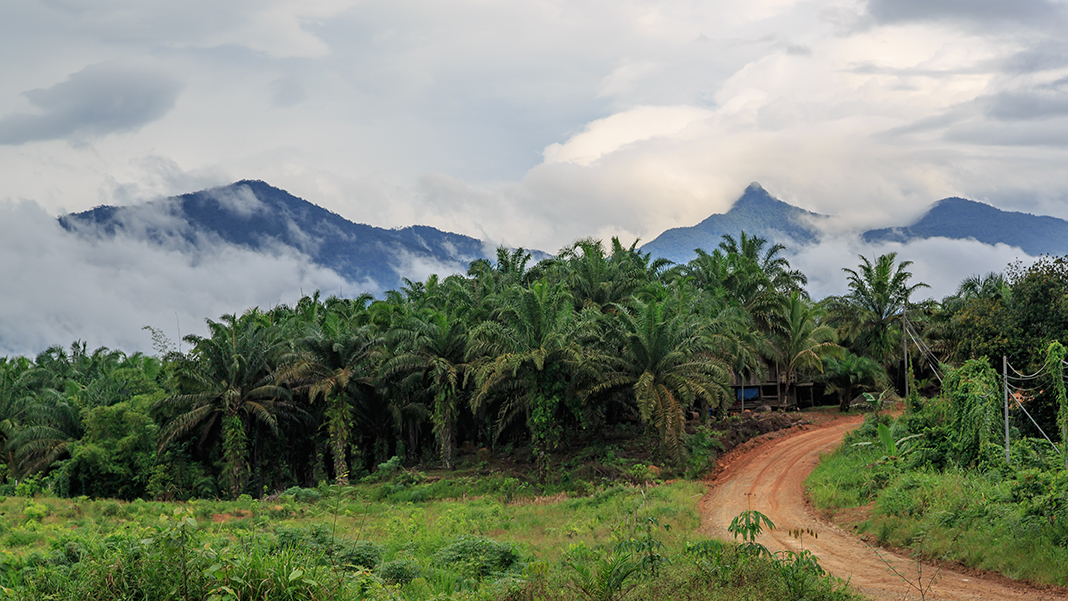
(21, 538)
(315, 539)
(478, 557)
(398, 571)
(35, 511)
(361, 554)
(110, 508)
(303, 495)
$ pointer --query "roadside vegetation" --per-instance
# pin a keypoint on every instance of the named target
(936, 479)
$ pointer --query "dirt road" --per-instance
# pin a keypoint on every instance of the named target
(772, 473)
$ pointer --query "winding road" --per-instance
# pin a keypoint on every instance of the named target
(772, 473)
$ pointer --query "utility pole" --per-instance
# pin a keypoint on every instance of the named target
(905, 349)
(1005, 387)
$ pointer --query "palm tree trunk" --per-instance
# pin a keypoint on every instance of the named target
(341, 464)
(339, 438)
(235, 449)
(444, 424)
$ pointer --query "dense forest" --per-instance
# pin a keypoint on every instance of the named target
(524, 359)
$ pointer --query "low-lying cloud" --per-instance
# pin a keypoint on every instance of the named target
(60, 287)
(940, 263)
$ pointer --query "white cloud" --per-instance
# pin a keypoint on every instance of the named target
(938, 262)
(610, 134)
(60, 287)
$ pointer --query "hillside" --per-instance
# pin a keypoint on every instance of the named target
(962, 219)
(255, 215)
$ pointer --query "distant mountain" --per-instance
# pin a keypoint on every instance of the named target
(756, 212)
(255, 215)
(962, 219)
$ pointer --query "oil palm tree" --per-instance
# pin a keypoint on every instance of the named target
(669, 361)
(333, 364)
(431, 354)
(879, 291)
(230, 387)
(802, 341)
(775, 266)
(850, 374)
(512, 356)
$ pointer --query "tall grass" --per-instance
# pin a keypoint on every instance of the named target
(354, 543)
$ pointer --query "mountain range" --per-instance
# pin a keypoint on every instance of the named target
(757, 212)
(257, 216)
(962, 219)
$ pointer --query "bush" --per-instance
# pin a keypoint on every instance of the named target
(479, 557)
(361, 554)
(303, 495)
(314, 539)
(35, 511)
(398, 571)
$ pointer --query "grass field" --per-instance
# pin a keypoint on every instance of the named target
(479, 537)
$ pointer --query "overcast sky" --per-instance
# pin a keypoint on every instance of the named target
(530, 123)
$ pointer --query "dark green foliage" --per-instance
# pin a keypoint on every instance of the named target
(479, 557)
(303, 495)
(399, 571)
(360, 554)
(975, 398)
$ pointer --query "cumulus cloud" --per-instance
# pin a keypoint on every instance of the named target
(98, 100)
(60, 287)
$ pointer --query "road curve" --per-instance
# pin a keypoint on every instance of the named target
(769, 478)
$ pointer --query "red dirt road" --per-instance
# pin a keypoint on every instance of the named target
(772, 474)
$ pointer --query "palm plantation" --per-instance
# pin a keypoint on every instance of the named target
(514, 357)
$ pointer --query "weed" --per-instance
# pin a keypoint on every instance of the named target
(748, 525)
(607, 579)
(399, 571)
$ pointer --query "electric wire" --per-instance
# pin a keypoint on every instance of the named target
(1020, 376)
(1037, 426)
(925, 352)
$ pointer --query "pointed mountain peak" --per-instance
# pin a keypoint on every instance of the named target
(756, 212)
(755, 196)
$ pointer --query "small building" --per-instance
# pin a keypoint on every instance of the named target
(770, 389)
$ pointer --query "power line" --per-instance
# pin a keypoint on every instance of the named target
(1037, 426)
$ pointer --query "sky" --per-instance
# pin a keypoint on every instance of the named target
(521, 123)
